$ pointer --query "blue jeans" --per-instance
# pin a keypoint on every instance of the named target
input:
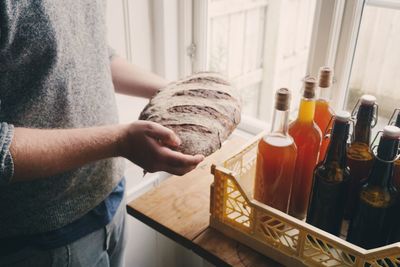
(102, 248)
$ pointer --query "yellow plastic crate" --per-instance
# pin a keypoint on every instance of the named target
(273, 233)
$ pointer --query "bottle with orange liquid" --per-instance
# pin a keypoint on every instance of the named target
(359, 154)
(276, 158)
(307, 137)
(323, 112)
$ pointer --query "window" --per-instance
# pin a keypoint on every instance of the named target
(260, 45)
(376, 64)
(263, 45)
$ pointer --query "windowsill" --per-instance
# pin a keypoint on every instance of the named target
(251, 125)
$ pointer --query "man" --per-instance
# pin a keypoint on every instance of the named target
(61, 185)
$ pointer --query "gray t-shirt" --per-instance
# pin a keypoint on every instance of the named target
(54, 73)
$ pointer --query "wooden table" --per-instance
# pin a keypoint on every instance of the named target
(179, 209)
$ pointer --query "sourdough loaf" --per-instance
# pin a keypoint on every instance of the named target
(201, 109)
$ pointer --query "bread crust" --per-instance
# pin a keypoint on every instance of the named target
(202, 109)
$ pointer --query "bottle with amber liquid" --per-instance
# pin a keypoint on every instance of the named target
(276, 158)
(330, 181)
(374, 216)
(359, 155)
(307, 137)
(323, 111)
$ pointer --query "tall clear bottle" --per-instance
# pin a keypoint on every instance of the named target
(374, 216)
(330, 182)
(359, 155)
(307, 136)
(276, 158)
(323, 111)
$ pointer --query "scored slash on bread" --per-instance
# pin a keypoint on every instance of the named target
(201, 109)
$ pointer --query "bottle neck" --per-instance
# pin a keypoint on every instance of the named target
(338, 145)
(324, 93)
(362, 129)
(398, 120)
(381, 171)
(306, 110)
(280, 122)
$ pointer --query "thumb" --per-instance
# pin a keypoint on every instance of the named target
(163, 134)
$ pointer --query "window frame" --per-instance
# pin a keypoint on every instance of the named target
(333, 42)
(199, 61)
(347, 41)
(347, 45)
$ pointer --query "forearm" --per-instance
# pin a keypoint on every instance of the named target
(41, 153)
(131, 80)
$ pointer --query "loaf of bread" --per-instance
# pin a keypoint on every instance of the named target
(202, 110)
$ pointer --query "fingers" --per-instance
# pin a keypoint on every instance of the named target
(177, 163)
(178, 159)
(164, 134)
(161, 156)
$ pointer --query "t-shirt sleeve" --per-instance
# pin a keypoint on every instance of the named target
(6, 160)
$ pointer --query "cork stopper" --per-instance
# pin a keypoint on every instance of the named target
(325, 77)
(282, 99)
(309, 87)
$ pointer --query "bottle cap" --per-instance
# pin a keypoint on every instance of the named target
(282, 99)
(343, 116)
(368, 100)
(309, 87)
(391, 131)
(325, 76)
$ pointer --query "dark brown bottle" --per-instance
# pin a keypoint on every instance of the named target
(359, 155)
(395, 236)
(330, 181)
(395, 120)
(374, 216)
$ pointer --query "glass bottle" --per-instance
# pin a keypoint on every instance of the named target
(374, 216)
(330, 181)
(395, 120)
(307, 137)
(359, 155)
(276, 158)
(323, 111)
(395, 236)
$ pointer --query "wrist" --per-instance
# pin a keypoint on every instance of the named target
(121, 137)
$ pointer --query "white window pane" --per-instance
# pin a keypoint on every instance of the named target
(262, 44)
(250, 96)
(219, 44)
(376, 62)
